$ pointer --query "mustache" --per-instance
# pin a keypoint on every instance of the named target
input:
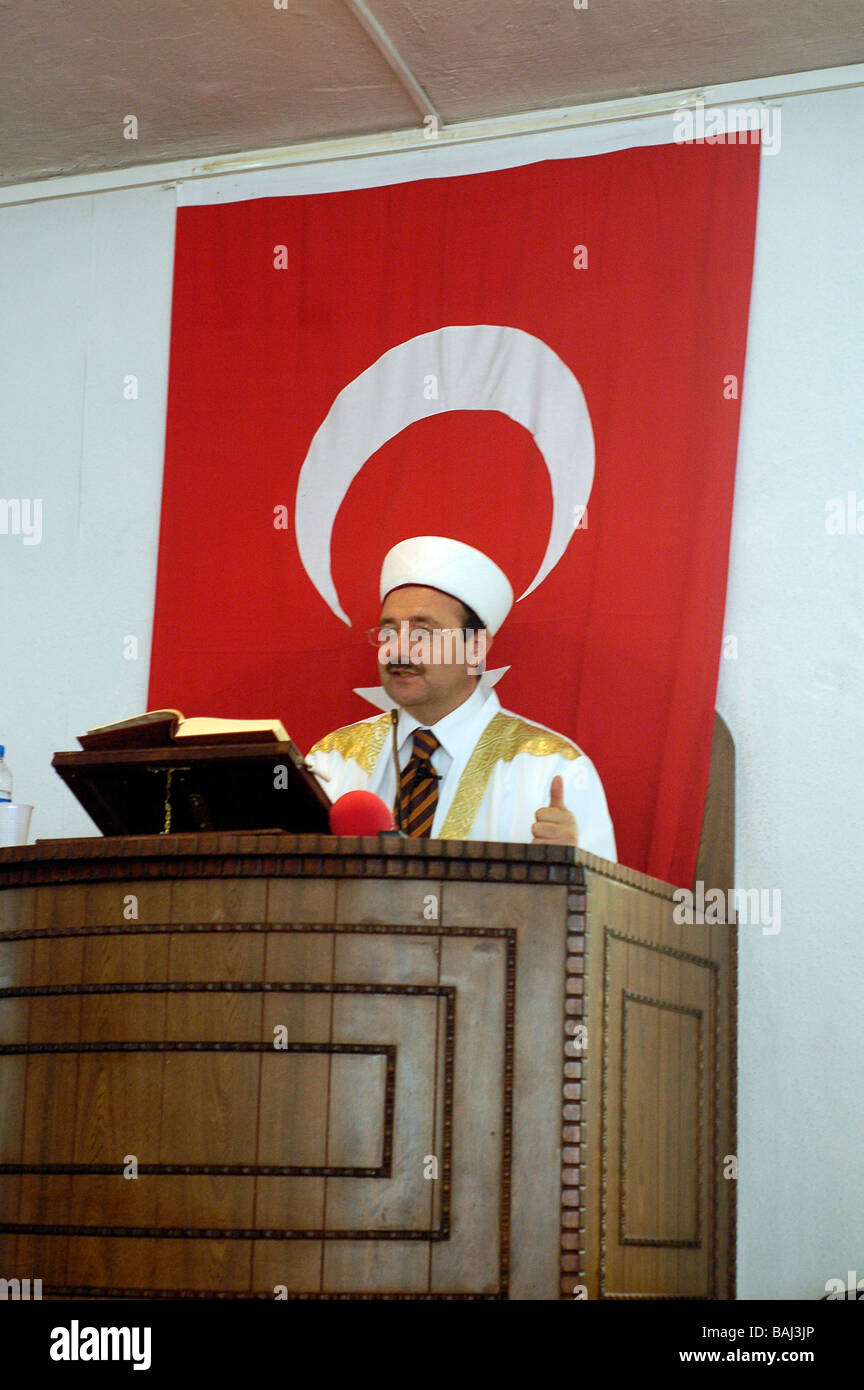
(403, 666)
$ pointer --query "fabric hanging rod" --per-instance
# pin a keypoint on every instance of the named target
(766, 89)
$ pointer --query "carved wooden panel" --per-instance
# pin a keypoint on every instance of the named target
(657, 1210)
(348, 1068)
(322, 1107)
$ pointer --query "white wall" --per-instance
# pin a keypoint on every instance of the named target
(794, 700)
(86, 288)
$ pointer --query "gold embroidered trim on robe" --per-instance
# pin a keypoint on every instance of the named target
(505, 736)
(362, 742)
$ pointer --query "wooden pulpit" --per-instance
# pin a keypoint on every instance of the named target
(269, 1065)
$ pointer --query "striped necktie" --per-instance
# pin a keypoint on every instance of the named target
(418, 787)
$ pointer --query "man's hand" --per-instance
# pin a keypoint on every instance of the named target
(554, 824)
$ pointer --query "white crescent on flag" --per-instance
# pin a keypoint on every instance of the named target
(474, 367)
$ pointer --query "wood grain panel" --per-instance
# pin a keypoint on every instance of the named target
(17, 909)
(15, 972)
(295, 1110)
(292, 1129)
(472, 1259)
(298, 957)
(301, 900)
(537, 917)
(52, 1082)
(61, 905)
(436, 1019)
(367, 902)
(292, 1265)
(223, 1266)
(663, 1091)
(503, 905)
(128, 904)
(656, 1210)
(396, 1199)
(392, 967)
(226, 900)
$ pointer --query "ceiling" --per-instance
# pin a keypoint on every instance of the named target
(224, 76)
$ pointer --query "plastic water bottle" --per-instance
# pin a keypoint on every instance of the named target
(5, 778)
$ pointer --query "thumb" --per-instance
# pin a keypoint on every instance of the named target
(556, 792)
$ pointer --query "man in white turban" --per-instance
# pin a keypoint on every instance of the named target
(450, 761)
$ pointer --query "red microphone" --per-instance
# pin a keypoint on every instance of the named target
(360, 813)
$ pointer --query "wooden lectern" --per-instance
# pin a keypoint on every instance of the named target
(270, 1065)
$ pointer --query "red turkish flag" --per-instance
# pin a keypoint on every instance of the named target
(632, 272)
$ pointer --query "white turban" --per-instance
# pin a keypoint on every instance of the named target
(436, 562)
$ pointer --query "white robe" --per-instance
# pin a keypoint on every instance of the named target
(494, 776)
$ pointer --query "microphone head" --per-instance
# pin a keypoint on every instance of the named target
(360, 813)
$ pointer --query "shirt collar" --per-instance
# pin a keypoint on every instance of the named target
(458, 726)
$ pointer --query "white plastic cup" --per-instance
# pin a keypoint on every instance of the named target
(14, 824)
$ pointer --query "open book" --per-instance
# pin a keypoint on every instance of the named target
(161, 727)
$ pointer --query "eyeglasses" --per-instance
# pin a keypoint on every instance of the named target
(427, 646)
(390, 636)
